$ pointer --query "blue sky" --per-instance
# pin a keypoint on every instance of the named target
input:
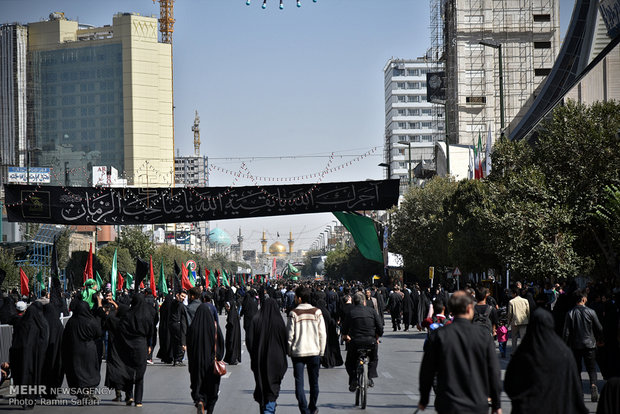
(296, 81)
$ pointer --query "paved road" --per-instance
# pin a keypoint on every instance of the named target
(396, 389)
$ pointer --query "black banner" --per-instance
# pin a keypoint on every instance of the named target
(436, 87)
(97, 205)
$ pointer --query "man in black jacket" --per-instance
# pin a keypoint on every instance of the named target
(361, 328)
(462, 356)
(581, 327)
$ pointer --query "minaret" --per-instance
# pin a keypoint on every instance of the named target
(263, 242)
(240, 240)
(291, 242)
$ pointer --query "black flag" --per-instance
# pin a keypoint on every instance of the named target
(142, 268)
(177, 284)
(2, 276)
(177, 269)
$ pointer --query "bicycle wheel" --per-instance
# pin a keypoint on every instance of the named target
(364, 387)
(358, 390)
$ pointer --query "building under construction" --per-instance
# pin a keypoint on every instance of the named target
(481, 38)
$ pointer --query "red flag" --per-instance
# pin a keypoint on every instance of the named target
(207, 273)
(217, 274)
(141, 284)
(23, 282)
(88, 270)
(120, 282)
(152, 279)
(184, 279)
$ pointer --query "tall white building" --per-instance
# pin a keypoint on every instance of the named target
(529, 34)
(410, 121)
(192, 171)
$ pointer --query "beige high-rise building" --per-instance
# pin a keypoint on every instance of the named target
(529, 34)
(101, 96)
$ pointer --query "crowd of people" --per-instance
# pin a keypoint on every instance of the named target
(554, 328)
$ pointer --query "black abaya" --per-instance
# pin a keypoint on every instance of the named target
(407, 310)
(249, 309)
(267, 344)
(79, 351)
(332, 357)
(201, 353)
(233, 336)
(165, 349)
(30, 336)
(52, 368)
(542, 376)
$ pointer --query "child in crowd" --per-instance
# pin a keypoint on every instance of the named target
(502, 336)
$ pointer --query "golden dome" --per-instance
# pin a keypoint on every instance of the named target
(277, 249)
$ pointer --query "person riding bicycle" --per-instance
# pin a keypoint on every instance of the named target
(362, 329)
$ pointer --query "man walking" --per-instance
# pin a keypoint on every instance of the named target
(462, 356)
(518, 316)
(581, 327)
(307, 337)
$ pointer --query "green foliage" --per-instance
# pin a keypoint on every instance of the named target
(7, 263)
(548, 209)
(136, 241)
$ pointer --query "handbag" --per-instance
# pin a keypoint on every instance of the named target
(219, 367)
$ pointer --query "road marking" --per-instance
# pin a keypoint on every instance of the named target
(227, 375)
(409, 394)
(387, 375)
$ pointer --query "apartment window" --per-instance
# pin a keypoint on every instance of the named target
(413, 85)
(400, 85)
(422, 98)
(424, 71)
(427, 125)
(542, 45)
(414, 125)
(398, 72)
(412, 72)
(402, 98)
(427, 138)
(402, 125)
(401, 151)
(542, 72)
(402, 165)
(415, 138)
(476, 99)
(401, 112)
(427, 111)
(542, 17)
(413, 98)
(423, 84)
(413, 112)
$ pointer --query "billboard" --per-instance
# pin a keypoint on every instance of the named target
(436, 87)
(610, 10)
(18, 175)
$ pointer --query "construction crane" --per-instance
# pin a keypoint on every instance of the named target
(166, 20)
(196, 129)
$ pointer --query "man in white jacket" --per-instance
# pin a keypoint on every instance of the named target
(306, 344)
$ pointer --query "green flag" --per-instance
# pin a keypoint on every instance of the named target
(212, 279)
(40, 276)
(128, 280)
(113, 275)
(364, 233)
(192, 278)
(225, 278)
(99, 281)
(162, 287)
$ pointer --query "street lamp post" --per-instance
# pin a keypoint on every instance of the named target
(408, 144)
(389, 171)
(498, 46)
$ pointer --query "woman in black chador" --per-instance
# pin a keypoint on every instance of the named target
(30, 337)
(542, 376)
(128, 362)
(233, 335)
(165, 349)
(249, 308)
(267, 343)
(53, 373)
(332, 357)
(79, 350)
(201, 353)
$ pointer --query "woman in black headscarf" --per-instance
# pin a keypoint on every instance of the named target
(7, 309)
(267, 343)
(131, 331)
(165, 350)
(201, 353)
(52, 369)
(233, 335)
(249, 308)
(407, 310)
(79, 350)
(30, 336)
(542, 376)
(332, 356)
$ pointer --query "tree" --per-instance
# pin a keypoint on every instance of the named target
(137, 242)
(349, 264)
